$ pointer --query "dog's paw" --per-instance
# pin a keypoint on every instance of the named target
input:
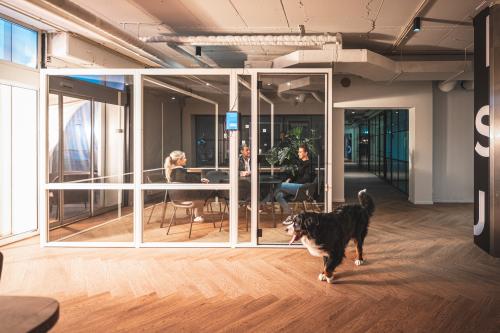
(329, 279)
(358, 262)
(322, 277)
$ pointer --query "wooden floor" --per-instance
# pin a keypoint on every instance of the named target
(423, 274)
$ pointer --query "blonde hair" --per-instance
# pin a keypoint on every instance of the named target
(171, 161)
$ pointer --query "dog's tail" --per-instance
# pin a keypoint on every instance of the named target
(366, 201)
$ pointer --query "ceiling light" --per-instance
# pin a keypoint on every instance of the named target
(353, 112)
(173, 97)
(269, 83)
(416, 24)
(207, 84)
(302, 29)
(289, 83)
(198, 51)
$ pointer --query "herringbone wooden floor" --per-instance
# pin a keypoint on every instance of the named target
(423, 274)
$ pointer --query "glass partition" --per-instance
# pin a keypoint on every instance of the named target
(184, 143)
(90, 215)
(183, 190)
(291, 150)
(89, 146)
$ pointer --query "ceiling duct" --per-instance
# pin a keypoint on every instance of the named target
(316, 40)
(447, 86)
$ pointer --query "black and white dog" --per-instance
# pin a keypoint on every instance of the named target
(327, 234)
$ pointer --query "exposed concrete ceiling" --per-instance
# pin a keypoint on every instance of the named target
(376, 25)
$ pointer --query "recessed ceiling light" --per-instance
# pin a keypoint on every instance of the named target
(289, 83)
(207, 84)
(269, 83)
(173, 97)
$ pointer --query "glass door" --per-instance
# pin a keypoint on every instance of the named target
(291, 150)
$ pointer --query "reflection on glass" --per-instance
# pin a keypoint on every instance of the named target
(178, 215)
(110, 220)
(89, 137)
(24, 46)
(76, 147)
(5, 40)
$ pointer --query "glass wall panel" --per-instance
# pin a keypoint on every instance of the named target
(89, 130)
(89, 141)
(110, 221)
(179, 215)
(291, 163)
(184, 139)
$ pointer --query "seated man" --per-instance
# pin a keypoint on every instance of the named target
(305, 174)
(244, 161)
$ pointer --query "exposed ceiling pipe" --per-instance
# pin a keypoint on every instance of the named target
(447, 86)
(467, 85)
(317, 97)
(246, 40)
(71, 12)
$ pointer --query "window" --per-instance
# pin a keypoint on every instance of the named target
(5, 40)
(18, 44)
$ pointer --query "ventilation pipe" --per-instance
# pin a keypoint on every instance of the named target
(467, 85)
(317, 40)
(447, 86)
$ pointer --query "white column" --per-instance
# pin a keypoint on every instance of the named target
(338, 155)
(138, 131)
(233, 163)
(254, 149)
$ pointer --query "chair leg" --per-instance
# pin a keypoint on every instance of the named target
(163, 214)
(222, 216)
(151, 214)
(274, 218)
(171, 220)
(191, 225)
(246, 214)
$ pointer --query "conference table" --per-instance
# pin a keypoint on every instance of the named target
(27, 314)
(270, 181)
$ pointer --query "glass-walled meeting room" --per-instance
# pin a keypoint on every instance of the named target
(143, 157)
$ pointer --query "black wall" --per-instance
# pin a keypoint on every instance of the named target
(481, 99)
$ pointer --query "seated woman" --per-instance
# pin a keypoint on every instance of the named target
(176, 173)
(305, 174)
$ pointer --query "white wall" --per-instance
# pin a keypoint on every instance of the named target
(453, 146)
(18, 153)
(415, 96)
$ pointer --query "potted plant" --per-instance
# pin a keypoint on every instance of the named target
(284, 154)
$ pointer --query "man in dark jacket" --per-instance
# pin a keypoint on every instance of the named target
(244, 161)
(305, 174)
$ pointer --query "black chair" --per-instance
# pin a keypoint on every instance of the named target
(305, 194)
(244, 194)
(218, 177)
(178, 200)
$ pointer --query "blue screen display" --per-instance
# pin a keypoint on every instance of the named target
(232, 121)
